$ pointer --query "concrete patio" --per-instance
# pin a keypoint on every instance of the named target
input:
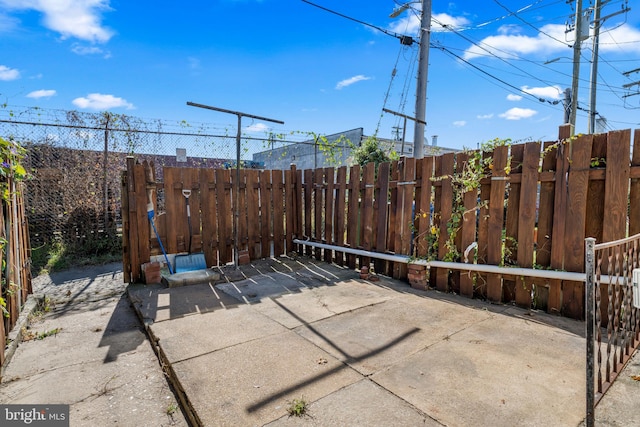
(360, 352)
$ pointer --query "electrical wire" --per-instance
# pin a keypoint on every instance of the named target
(386, 95)
(400, 37)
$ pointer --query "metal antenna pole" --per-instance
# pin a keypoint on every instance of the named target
(417, 120)
(236, 186)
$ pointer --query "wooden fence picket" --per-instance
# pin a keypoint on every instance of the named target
(277, 200)
(634, 190)
(367, 211)
(353, 216)
(496, 219)
(578, 184)
(444, 175)
(209, 216)
(329, 197)
(253, 215)
(341, 198)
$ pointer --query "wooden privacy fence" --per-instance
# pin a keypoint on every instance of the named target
(15, 252)
(529, 205)
(265, 213)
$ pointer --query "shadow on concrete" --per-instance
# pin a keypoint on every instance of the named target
(572, 326)
(349, 359)
(123, 333)
(266, 278)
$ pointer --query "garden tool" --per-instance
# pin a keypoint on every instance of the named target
(191, 261)
(150, 214)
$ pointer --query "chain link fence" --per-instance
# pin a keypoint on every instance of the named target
(75, 160)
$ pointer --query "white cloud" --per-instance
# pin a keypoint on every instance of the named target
(622, 39)
(410, 23)
(194, 63)
(507, 43)
(7, 73)
(351, 80)
(518, 113)
(7, 23)
(257, 127)
(552, 39)
(42, 93)
(89, 50)
(484, 116)
(98, 101)
(459, 123)
(512, 97)
(71, 18)
(552, 92)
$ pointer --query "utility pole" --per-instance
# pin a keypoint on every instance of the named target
(597, 23)
(421, 85)
(576, 66)
(594, 67)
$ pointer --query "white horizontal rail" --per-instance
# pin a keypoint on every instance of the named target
(481, 268)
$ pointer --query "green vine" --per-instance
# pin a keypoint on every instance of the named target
(11, 153)
(466, 180)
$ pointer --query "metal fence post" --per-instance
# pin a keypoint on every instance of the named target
(590, 269)
(105, 169)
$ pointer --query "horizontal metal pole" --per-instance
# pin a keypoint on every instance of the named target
(480, 268)
(378, 255)
(513, 271)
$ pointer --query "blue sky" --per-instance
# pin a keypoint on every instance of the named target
(316, 71)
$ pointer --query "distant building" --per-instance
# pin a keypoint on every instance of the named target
(307, 154)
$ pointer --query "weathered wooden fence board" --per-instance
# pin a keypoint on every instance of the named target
(308, 185)
(527, 223)
(353, 216)
(393, 215)
(577, 186)
(264, 234)
(424, 172)
(634, 191)
(617, 186)
(496, 219)
(341, 199)
(253, 211)
(381, 214)
(369, 174)
(290, 208)
(225, 216)
(279, 204)
(468, 226)
(512, 219)
(318, 204)
(329, 236)
(209, 216)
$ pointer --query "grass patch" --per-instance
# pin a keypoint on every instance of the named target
(28, 335)
(172, 408)
(58, 255)
(297, 407)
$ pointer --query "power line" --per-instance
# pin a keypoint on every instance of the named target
(403, 39)
(515, 14)
(448, 27)
(517, 89)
